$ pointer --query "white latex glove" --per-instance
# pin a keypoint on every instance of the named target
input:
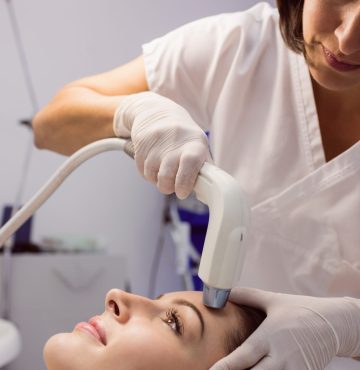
(299, 332)
(170, 148)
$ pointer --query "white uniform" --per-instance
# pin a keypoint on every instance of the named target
(237, 79)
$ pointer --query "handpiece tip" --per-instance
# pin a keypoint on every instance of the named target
(214, 297)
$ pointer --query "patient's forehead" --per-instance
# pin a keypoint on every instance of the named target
(191, 296)
(196, 298)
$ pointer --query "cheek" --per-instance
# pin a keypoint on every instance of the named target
(143, 348)
(317, 20)
(138, 347)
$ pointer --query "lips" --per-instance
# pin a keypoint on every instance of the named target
(337, 64)
(96, 323)
(94, 328)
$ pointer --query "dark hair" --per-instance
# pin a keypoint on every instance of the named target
(291, 12)
(249, 320)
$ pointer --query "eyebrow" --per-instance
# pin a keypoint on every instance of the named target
(184, 302)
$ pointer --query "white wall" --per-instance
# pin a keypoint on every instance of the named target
(65, 40)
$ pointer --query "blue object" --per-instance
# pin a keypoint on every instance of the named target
(198, 227)
(23, 234)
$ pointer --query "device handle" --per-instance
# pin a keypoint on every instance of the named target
(223, 251)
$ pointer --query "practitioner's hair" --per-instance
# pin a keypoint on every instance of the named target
(291, 25)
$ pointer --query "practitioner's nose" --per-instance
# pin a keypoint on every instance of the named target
(347, 32)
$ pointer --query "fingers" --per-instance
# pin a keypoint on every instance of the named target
(151, 169)
(167, 174)
(174, 172)
(252, 297)
(267, 363)
(245, 357)
(189, 166)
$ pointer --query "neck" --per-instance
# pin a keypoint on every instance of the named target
(343, 102)
(339, 118)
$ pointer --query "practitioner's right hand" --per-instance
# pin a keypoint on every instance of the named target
(170, 148)
(299, 332)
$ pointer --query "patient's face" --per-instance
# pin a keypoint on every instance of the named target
(135, 333)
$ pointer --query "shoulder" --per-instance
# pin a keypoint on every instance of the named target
(224, 35)
(261, 12)
(250, 21)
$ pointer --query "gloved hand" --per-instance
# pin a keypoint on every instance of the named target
(170, 147)
(299, 332)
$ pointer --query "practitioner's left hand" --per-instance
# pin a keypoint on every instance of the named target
(299, 332)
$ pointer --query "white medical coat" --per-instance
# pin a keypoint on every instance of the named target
(238, 80)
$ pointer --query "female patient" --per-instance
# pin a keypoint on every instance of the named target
(174, 332)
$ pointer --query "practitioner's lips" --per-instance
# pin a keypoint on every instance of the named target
(94, 328)
(337, 64)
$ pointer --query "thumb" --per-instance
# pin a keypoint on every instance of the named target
(252, 297)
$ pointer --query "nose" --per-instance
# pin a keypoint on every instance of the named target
(348, 31)
(123, 305)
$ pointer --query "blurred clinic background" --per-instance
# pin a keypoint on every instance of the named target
(105, 226)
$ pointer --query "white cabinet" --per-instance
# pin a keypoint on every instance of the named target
(51, 293)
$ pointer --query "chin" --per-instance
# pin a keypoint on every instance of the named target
(332, 80)
(335, 82)
(57, 353)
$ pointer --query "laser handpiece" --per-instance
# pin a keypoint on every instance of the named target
(222, 254)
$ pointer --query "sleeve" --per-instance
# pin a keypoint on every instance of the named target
(191, 64)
